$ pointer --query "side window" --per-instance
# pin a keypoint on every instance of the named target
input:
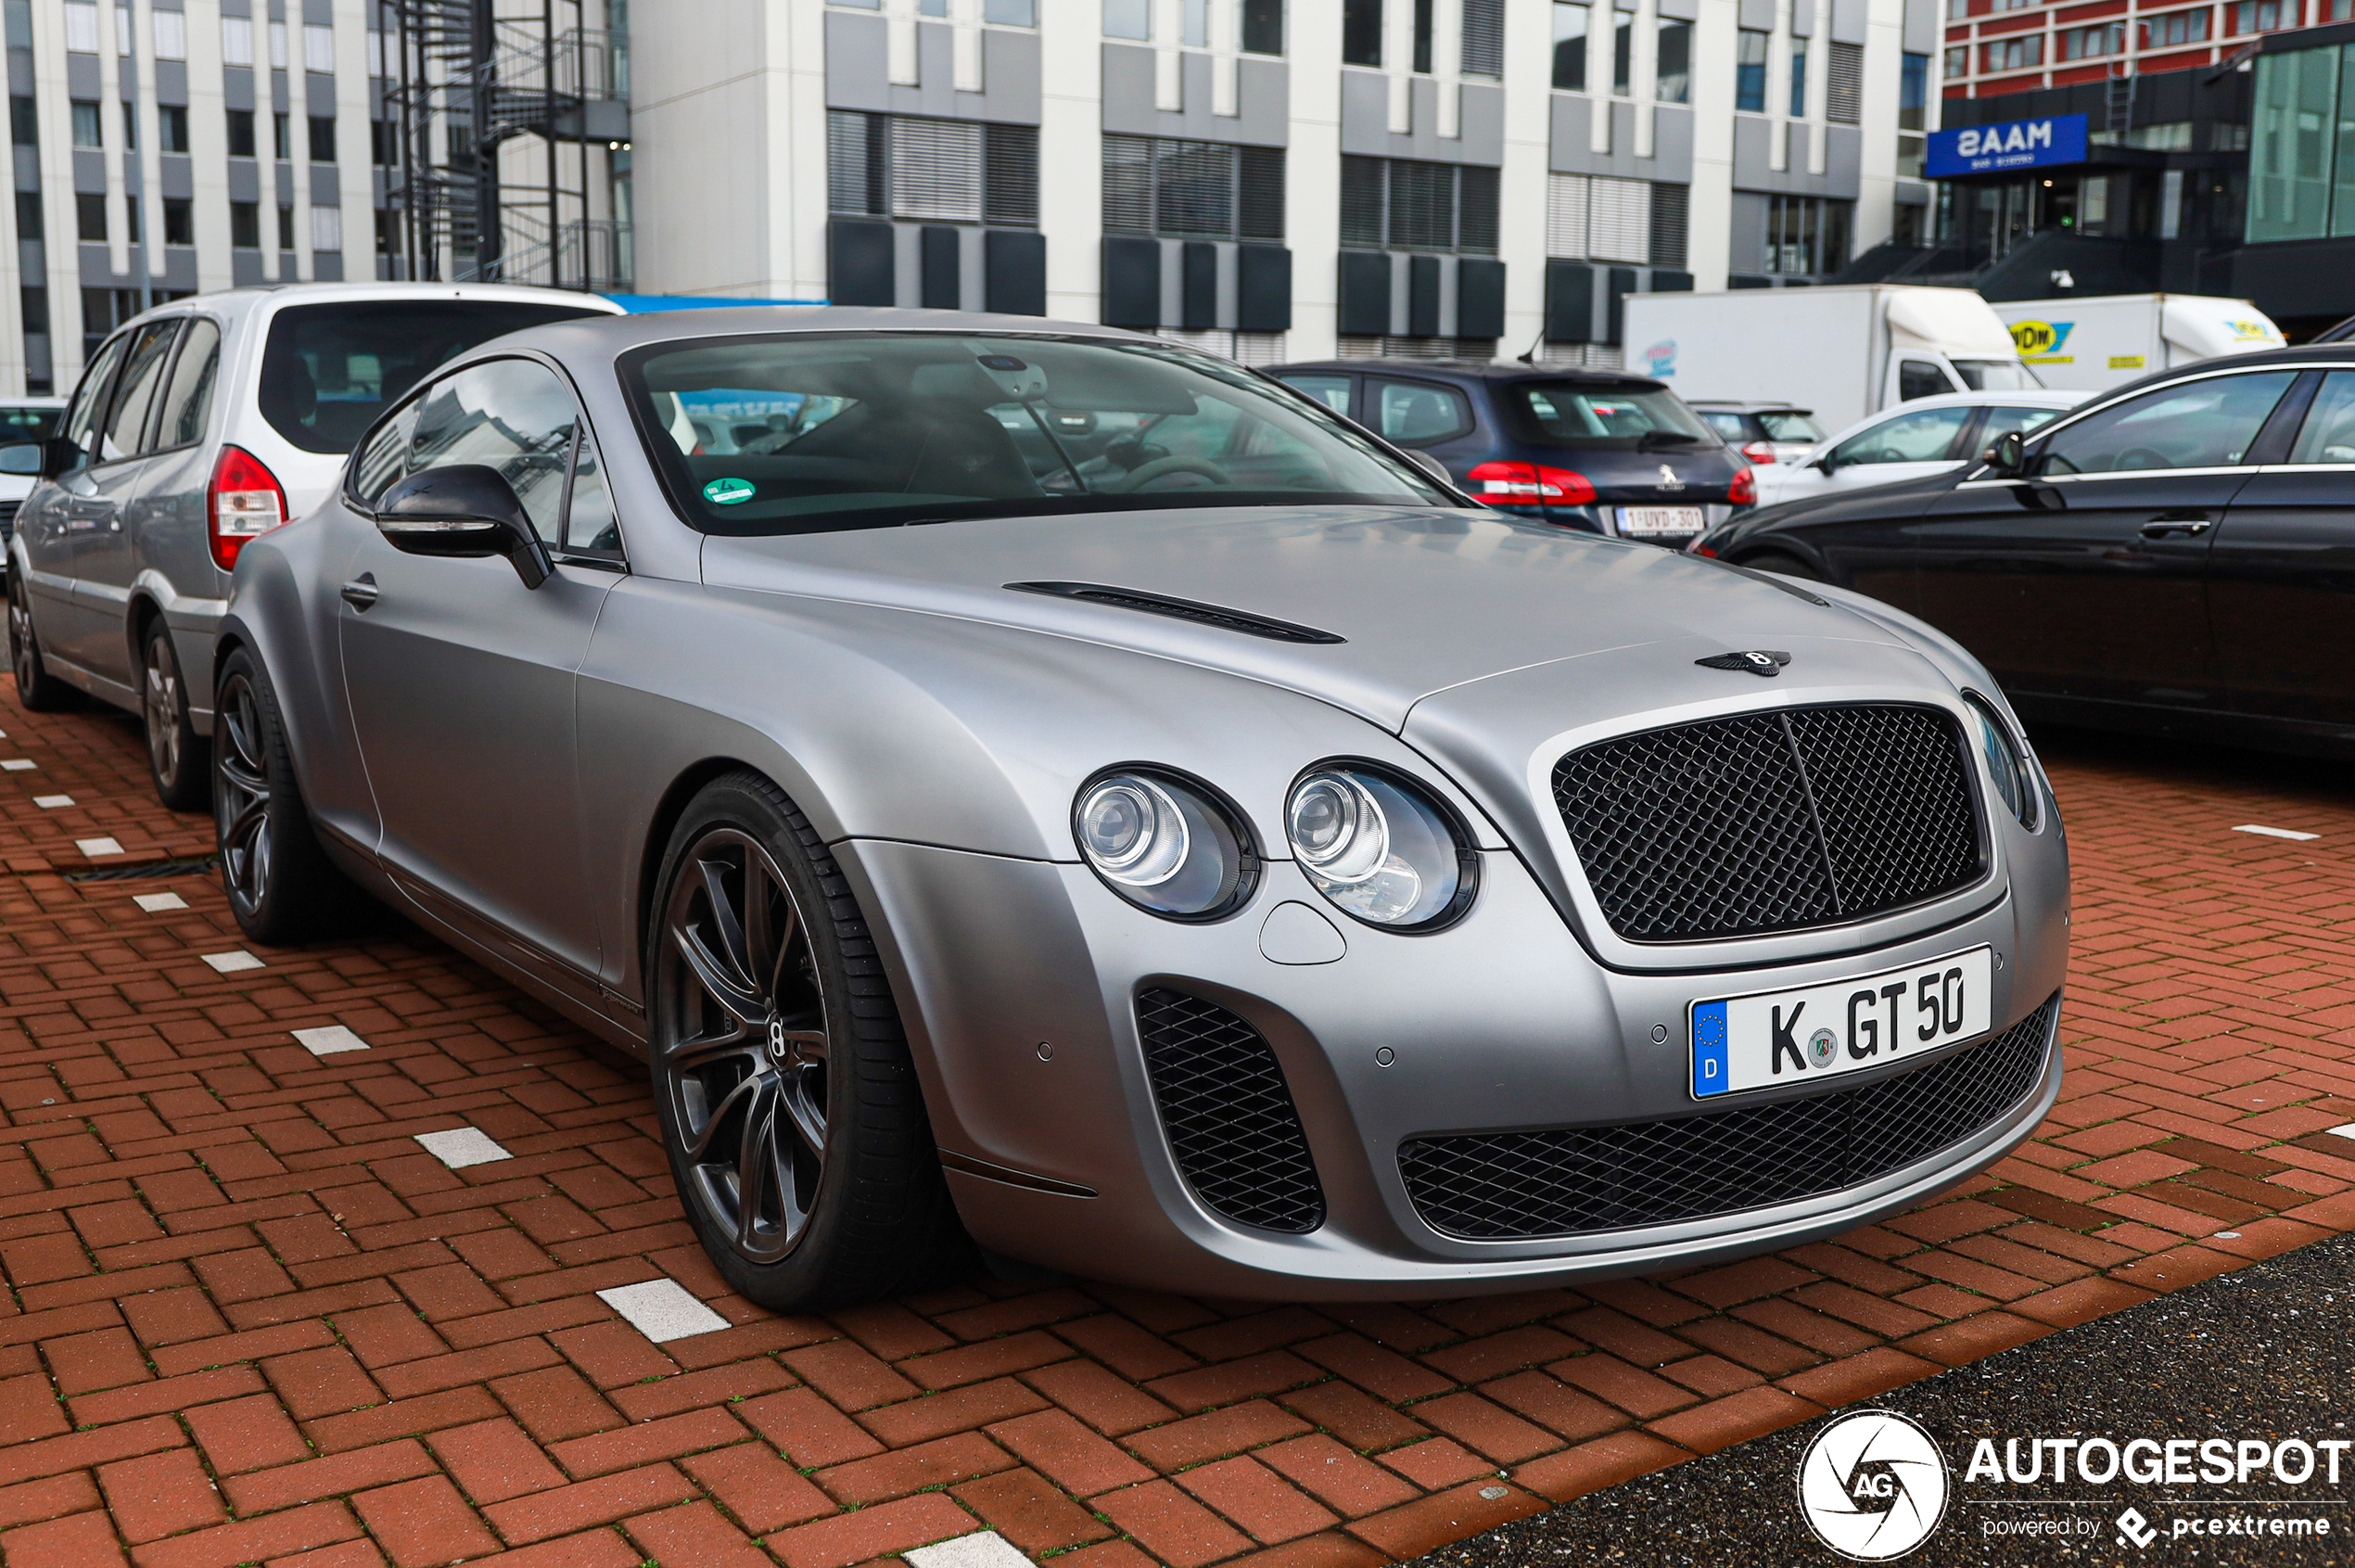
(2002, 421)
(384, 457)
(1926, 436)
(1732, 427)
(2204, 424)
(143, 371)
(1415, 412)
(187, 397)
(1920, 378)
(1330, 390)
(2328, 435)
(514, 415)
(590, 526)
(90, 398)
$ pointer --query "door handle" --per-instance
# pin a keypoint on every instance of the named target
(2191, 525)
(362, 591)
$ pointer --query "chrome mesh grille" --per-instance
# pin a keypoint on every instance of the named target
(1572, 1181)
(1228, 1113)
(1772, 821)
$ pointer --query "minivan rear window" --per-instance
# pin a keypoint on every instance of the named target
(1578, 413)
(18, 423)
(330, 369)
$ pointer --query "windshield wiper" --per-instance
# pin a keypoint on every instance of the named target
(1665, 437)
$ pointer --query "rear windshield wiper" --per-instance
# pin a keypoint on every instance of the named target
(1666, 438)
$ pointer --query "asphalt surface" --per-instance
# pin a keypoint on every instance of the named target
(2260, 1352)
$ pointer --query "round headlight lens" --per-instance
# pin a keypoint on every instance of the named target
(1163, 844)
(1375, 847)
(2015, 783)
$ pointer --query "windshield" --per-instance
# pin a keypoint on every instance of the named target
(329, 370)
(1583, 414)
(1997, 375)
(1790, 427)
(20, 424)
(805, 433)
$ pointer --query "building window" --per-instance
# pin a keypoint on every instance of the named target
(954, 170)
(24, 126)
(1483, 38)
(1844, 84)
(1913, 111)
(172, 33)
(245, 224)
(387, 232)
(285, 228)
(1596, 219)
(2013, 54)
(1402, 204)
(1798, 79)
(327, 228)
(2175, 28)
(1674, 80)
(319, 49)
(1623, 52)
(322, 138)
(172, 126)
(2259, 16)
(2093, 43)
(237, 41)
(1196, 190)
(90, 216)
(1570, 45)
(1361, 32)
(1012, 13)
(1957, 63)
(81, 27)
(2301, 174)
(1128, 19)
(1806, 236)
(1749, 70)
(240, 132)
(281, 136)
(87, 131)
(130, 231)
(1263, 27)
(277, 46)
(179, 221)
(31, 223)
(384, 143)
(1422, 37)
(34, 305)
(1193, 23)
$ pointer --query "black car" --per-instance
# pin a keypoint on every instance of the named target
(2177, 555)
(1612, 454)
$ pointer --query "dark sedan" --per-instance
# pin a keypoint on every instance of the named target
(2177, 557)
(1608, 453)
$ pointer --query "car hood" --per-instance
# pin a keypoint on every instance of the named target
(1425, 599)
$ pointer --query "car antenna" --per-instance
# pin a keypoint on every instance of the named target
(1530, 358)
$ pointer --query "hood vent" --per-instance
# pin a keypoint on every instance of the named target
(1182, 609)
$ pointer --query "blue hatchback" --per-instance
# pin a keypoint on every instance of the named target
(1612, 454)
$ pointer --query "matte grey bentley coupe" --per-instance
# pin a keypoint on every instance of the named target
(1038, 783)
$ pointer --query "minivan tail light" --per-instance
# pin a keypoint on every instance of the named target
(1759, 451)
(1743, 492)
(243, 501)
(1529, 484)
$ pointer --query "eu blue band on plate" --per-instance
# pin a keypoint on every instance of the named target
(1709, 1050)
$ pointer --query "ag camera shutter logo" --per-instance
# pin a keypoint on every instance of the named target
(1872, 1486)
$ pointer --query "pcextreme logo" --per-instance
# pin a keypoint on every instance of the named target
(1661, 359)
(2040, 342)
(1872, 1486)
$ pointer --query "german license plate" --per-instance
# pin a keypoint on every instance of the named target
(1773, 1039)
(1642, 522)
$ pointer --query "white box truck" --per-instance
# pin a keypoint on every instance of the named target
(1843, 352)
(2094, 344)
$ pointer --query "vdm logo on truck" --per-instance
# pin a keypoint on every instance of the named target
(2038, 342)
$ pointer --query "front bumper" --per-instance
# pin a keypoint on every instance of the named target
(1017, 981)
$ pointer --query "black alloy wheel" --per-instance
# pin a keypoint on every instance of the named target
(281, 885)
(37, 690)
(175, 752)
(790, 1108)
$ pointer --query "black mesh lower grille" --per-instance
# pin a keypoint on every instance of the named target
(1772, 821)
(1228, 1114)
(1571, 1180)
(8, 521)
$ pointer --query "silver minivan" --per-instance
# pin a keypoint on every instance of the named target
(195, 426)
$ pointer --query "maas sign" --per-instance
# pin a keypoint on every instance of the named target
(2016, 143)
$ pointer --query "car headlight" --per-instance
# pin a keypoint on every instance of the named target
(1377, 847)
(1163, 844)
(2007, 763)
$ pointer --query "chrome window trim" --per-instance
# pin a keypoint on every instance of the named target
(2087, 411)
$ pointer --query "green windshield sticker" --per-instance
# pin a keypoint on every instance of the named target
(728, 492)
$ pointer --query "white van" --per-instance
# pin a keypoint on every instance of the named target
(2107, 340)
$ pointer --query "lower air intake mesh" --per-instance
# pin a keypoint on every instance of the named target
(1572, 1181)
(1228, 1114)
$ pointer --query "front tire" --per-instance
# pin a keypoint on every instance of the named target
(790, 1107)
(177, 758)
(281, 888)
(37, 690)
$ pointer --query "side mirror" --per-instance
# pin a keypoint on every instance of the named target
(1822, 465)
(465, 510)
(22, 459)
(2008, 456)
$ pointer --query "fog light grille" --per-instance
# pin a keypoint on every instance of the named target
(1228, 1114)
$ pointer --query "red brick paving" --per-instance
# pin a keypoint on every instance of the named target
(250, 1321)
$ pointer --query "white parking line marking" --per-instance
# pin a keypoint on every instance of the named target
(156, 903)
(94, 848)
(984, 1548)
(463, 1146)
(2276, 832)
(328, 1039)
(18, 765)
(2346, 1131)
(231, 963)
(663, 1309)
(51, 802)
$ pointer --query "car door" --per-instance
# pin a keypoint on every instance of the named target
(2281, 571)
(460, 680)
(2086, 577)
(46, 523)
(104, 558)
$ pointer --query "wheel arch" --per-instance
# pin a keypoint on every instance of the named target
(662, 822)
